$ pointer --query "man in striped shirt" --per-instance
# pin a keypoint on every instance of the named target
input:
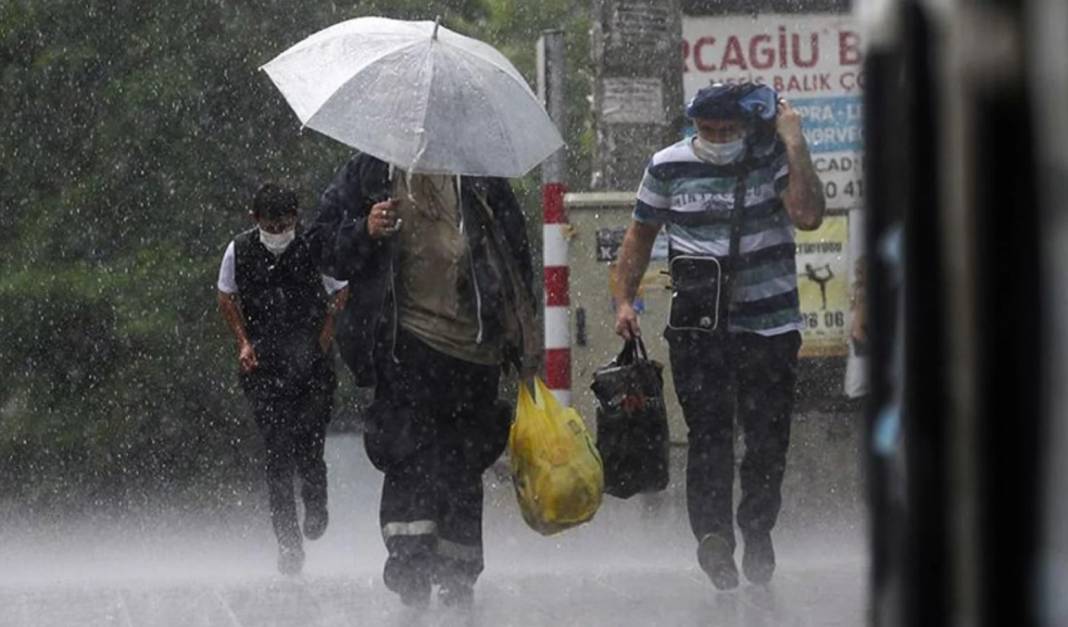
(730, 198)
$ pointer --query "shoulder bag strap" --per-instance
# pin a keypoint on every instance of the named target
(734, 252)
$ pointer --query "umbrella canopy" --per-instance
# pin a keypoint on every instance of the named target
(417, 95)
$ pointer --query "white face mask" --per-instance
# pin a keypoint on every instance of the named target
(718, 153)
(277, 242)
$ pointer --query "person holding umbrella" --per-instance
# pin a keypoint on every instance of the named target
(424, 225)
(730, 198)
(447, 292)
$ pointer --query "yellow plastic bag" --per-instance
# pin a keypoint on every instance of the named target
(556, 469)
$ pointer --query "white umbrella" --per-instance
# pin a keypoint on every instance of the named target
(417, 95)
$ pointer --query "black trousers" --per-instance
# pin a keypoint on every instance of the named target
(718, 377)
(294, 432)
(434, 428)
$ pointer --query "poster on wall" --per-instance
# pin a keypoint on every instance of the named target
(823, 280)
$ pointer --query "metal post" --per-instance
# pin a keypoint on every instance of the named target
(554, 231)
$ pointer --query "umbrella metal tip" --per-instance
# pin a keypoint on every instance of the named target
(437, 23)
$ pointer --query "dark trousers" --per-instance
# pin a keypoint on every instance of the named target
(434, 428)
(294, 432)
(716, 376)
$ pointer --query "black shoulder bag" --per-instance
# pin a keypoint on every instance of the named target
(701, 284)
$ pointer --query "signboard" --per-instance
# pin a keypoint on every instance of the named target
(633, 101)
(823, 279)
(814, 61)
(637, 29)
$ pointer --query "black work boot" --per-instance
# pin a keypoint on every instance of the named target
(409, 581)
(716, 557)
(758, 560)
(316, 519)
(290, 559)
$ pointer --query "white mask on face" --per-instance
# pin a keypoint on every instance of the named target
(719, 153)
(277, 242)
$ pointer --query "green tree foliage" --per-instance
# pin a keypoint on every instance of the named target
(135, 136)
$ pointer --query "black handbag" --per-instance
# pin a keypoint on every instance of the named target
(632, 428)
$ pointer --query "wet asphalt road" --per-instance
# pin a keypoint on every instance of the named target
(633, 565)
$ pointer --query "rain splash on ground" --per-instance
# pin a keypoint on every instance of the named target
(633, 565)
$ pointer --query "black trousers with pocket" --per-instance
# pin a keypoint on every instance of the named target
(435, 426)
(719, 377)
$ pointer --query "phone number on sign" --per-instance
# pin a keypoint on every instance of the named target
(830, 319)
(853, 189)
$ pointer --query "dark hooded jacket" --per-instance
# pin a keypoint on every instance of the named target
(348, 252)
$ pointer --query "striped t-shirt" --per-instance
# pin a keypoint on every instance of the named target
(694, 200)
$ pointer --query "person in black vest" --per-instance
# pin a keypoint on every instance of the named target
(443, 297)
(281, 310)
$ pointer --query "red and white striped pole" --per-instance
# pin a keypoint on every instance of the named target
(557, 293)
(554, 230)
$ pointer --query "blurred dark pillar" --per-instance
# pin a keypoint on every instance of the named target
(1047, 49)
(959, 544)
(1009, 303)
(926, 418)
(884, 159)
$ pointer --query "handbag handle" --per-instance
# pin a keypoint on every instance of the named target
(631, 350)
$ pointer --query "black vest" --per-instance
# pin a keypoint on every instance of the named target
(284, 306)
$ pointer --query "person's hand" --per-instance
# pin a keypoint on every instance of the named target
(788, 124)
(382, 221)
(325, 340)
(627, 322)
(247, 357)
